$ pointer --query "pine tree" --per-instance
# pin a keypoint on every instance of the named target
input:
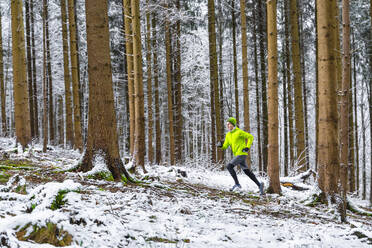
(21, 103)
(102, 134)
(327, 120)
(139, 147)
(2, 86)
(273, 150)
(67, 78)
(78, 139)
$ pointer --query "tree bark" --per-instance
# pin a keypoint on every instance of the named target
(129, 56)
(327, 120)
(34, 81)
(257, 90)
(156, 85)
(45, 90)
(169, 87)
(213, 70)
(67, 78)
(139, 146)
(262, 32)
(29, 68)
(243, 21)
(21, 103)
(299, 112)
(2, 83)
(235, 62)
(345, 108)
(273, 150)
(149, 88)
(49, 78)
(102, 131)
(78, 139)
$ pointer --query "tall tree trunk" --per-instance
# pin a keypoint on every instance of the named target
(327, 120)
(364, 174)
(235, 62)
(2, 83)
(156, 85)
(355, 127)
(129, 56)
(45, 90)
(29, 69)
(67, 78)
(257, 90)
(316, 88)
(102, 131)
(139, 147)
(149, 87)
(78, 139)
(243, 21)
(178, 93)
(169, 86)
(262, 32)
(213, 70)
(299, 112)
(34, 81)
(61, 134)
(345, 109)
(49, 78)
(370, 102)
(273, 150)
(21, 103)
(285, 76)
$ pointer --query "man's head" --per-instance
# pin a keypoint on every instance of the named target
(231, 123)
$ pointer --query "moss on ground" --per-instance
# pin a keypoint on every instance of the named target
(6, 165)
(49, 234)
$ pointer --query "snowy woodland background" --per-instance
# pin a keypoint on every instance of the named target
(94, 210)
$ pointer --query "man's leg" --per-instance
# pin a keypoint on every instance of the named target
(230, 168)
(250, 174)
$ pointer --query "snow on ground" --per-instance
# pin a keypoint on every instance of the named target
(167, 210)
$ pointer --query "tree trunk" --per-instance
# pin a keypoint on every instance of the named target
(61, 134)
(156, 85)
(345, 109)
(49, 78)
(370, 103)
(129, 50)
(213, 70)
(78, 139)
(102, 132)
(327, 120)
(67, 78)
(245, 71)
(273, 150)
(235, 62)
(149, 87)
(21, 103)
(355, 127)
(36, 108)
(45, 91)
(2, 83)
(139, 147)
(29, 69)
(364, 173)
(178, 93)
(169, 86)
(257, 90)
(262, 31)
(285, 76)
(299, 112)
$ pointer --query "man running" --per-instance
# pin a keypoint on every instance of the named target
(240, 143)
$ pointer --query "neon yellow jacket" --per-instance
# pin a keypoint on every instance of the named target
(236, 139)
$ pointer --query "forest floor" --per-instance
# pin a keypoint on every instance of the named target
(44, 205)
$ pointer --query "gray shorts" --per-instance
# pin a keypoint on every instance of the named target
(240, 160)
